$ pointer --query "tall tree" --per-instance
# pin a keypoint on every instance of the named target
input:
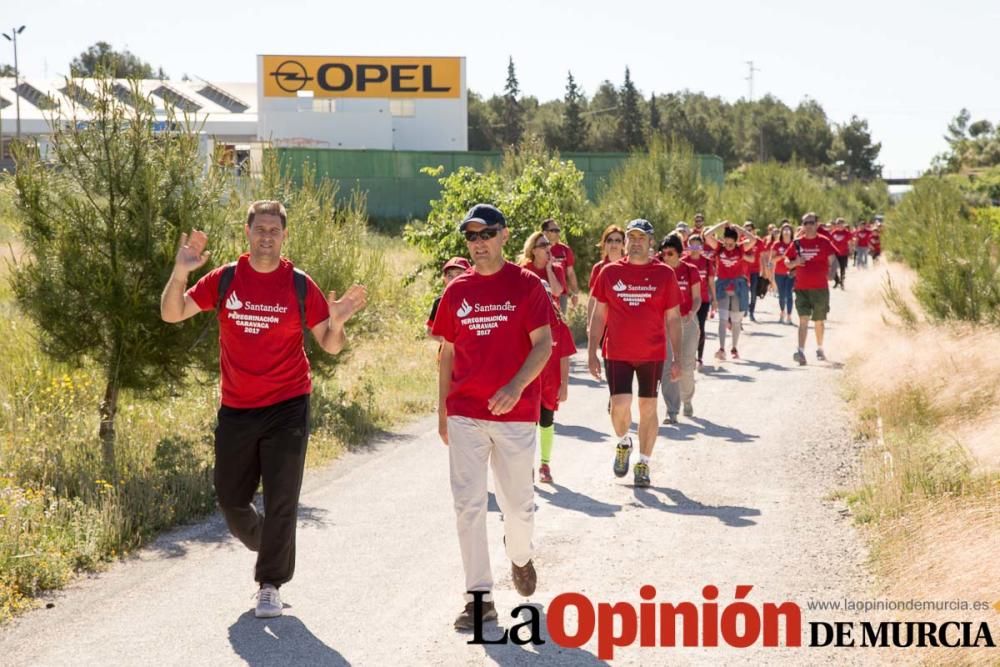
(6, 70)
(654, 116)
(101, 58)
(854, 150)
(604, 119)
(630, 126)
(100, 231)
(482, 124)
(574, 136)
(512, 118)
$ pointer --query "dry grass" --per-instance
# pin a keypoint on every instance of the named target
(926, 397)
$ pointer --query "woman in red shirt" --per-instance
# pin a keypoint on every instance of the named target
(706, 272)
(612, 248)
(784, 280)
(732, 291)
(537, 258)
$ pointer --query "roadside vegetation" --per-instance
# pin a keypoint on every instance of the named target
(922, 380)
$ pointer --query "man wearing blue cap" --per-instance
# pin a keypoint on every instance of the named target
(494, 321)
(639, 302)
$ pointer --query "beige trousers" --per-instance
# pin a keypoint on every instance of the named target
(509, 447)
(682, 391)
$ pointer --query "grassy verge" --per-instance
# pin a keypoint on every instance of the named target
(926, 399)
(58, 516)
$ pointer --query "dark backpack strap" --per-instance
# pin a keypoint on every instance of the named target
(301, 285)
(225, 280)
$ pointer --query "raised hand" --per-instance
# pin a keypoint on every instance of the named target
(191, 253)
(342, 309)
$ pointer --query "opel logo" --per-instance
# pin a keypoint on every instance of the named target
(291, 76)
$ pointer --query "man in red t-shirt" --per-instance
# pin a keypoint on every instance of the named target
(754, 246)
(862, 238)
(494, 321)
(563, 255)
(263, 420)
(841, 237)
(639, 302)
(810, 257)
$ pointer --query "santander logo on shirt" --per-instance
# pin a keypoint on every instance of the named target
(248, 321)
(619, 286)
(729, 261)
(487, 316)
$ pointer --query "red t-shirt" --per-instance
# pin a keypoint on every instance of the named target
(779, 248)
(260, 333)
(841, 241)
(563, 254)
(876, 241)
(489, 319)
(730, 264)
(863, 236)
(687, 277)
(637, 296)
(594, 272)
(813, 274)
(705, 270)
(551, 378)
(544, 275)
(756, 249)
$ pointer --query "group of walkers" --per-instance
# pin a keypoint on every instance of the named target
(503, 358)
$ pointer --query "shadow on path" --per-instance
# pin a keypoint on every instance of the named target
(279, 641)
(727, 433)
(549, 653)
(584, 433)
(732, 516)
(573, 500)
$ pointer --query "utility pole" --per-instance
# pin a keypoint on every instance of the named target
(760, 129)
(12, 37)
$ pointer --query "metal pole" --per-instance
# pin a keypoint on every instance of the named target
(17, 84)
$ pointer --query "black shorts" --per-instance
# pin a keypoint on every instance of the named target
(620, 376)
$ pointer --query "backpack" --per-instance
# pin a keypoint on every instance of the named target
(298, 279)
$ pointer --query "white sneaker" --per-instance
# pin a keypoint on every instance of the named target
(268, 602)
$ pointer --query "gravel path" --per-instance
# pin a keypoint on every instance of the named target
(740, 495)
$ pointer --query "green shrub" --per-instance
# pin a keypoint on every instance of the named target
(530, 186)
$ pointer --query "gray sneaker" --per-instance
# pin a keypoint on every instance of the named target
(268, 602)
(688, 410)
(799, 357)
(820, 355)
(622, 454)
(467, 619)
(641, 474)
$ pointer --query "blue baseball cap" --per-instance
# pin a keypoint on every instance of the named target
(486, 214)
(642, 225)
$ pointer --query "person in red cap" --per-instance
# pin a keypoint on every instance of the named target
(452, 269)
(494, 320)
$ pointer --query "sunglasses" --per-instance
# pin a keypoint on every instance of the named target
(694, 246)
(614, 240)
(539, 246)
(809, 222)
(482, 235)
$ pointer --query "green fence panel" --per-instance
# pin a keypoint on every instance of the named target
(397, 189)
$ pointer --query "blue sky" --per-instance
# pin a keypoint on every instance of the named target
(906, 69)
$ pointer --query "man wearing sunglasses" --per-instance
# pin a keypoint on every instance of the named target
(810, 257)
(494, 321)
(563, 255)
(639, 302)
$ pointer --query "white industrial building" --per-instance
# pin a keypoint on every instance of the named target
(238, 115)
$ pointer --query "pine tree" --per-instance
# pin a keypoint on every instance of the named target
(654, 115)
(512, 118)
(630, 131)
(574, 123)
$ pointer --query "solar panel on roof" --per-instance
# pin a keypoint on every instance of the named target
(35, 96)
(174, 98)
(222, 98)
(79, 94)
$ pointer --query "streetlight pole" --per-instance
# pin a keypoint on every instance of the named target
(12, 37)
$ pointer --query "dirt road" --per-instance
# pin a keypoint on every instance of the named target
(740, 495)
